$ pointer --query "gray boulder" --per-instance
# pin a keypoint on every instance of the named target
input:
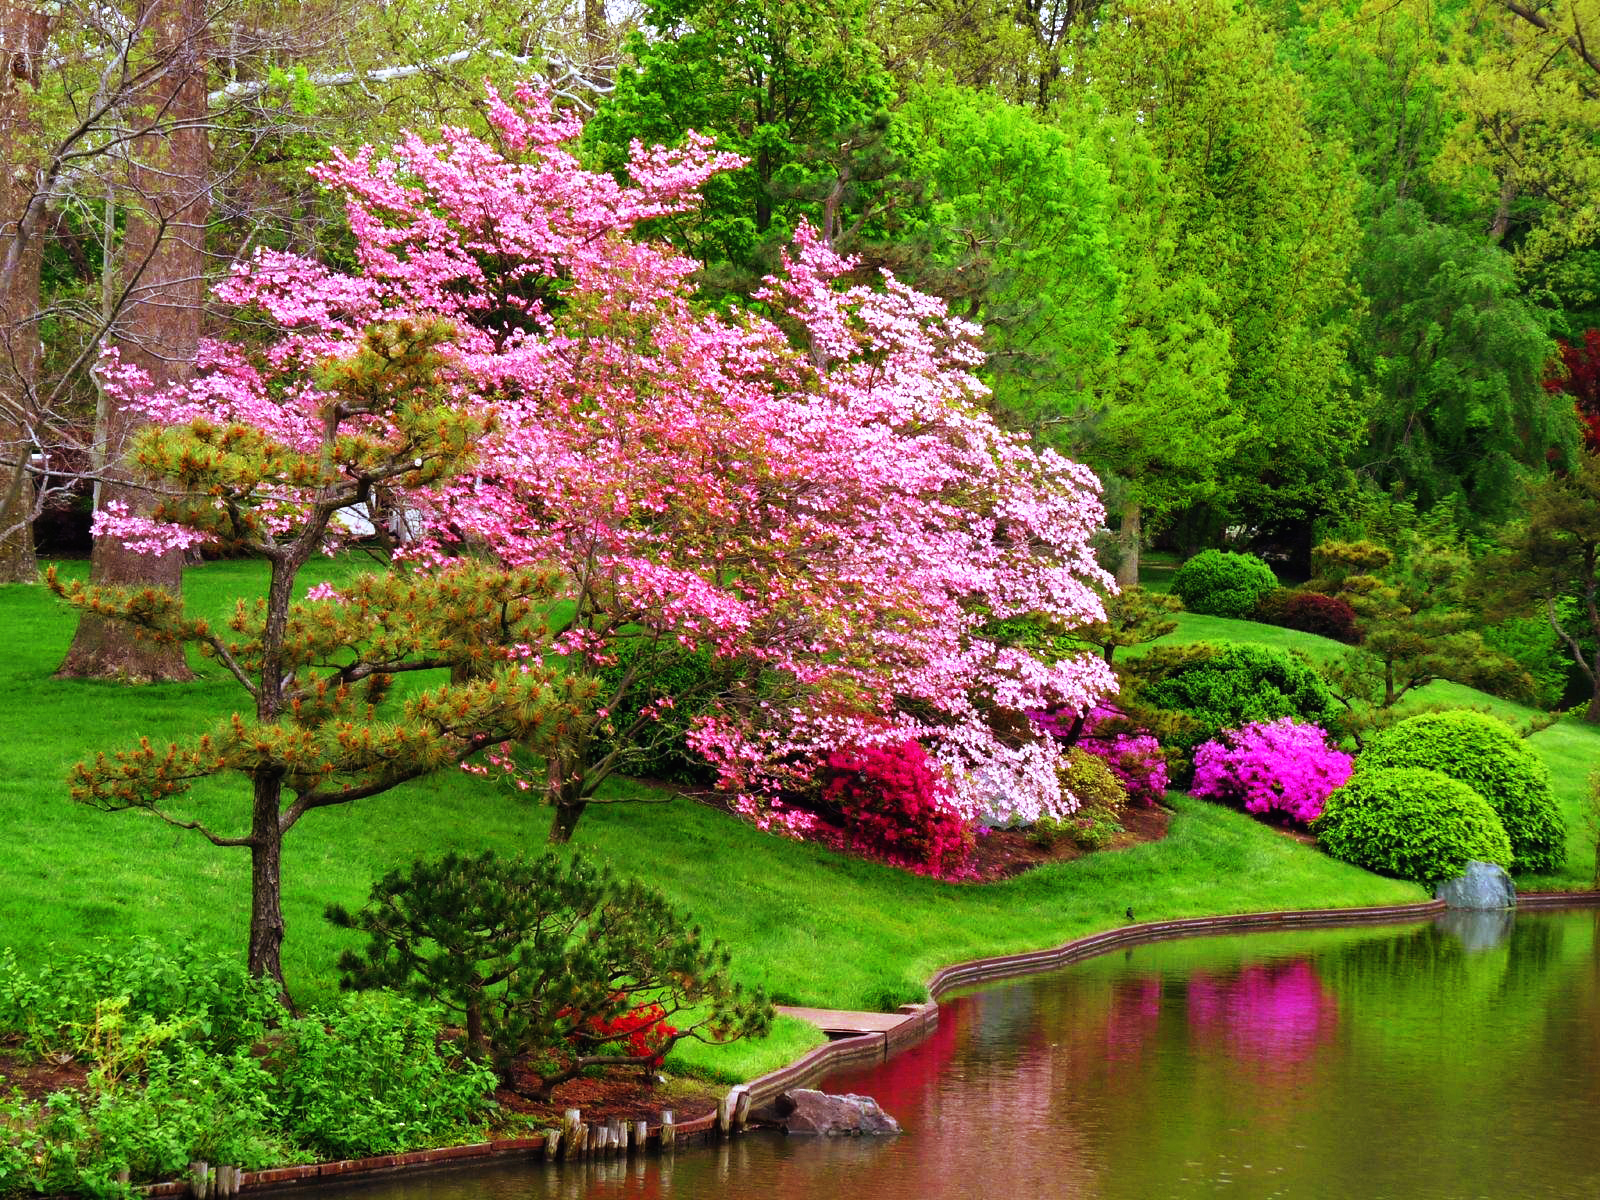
(804, 1112)
(1483, 886)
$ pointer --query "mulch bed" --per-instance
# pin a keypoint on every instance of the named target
(628, 1097)
(1002, 853)
(38, 1079)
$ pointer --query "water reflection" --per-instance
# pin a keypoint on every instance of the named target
(1442, 1061)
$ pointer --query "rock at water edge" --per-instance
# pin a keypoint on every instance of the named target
(1483, 886)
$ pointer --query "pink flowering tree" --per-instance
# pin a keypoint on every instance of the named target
(811, 490)
(1277, 766)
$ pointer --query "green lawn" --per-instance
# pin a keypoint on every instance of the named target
(813, 927)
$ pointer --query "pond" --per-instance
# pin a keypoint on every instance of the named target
(1446, 1060)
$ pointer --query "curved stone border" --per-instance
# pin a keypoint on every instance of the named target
(920, 1020)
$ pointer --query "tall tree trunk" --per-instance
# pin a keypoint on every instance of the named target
(22, 39)
(565, 821)
(163, 268)
(266, 879)
(1129, 541)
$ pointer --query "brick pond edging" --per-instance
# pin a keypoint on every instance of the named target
(619, 1138)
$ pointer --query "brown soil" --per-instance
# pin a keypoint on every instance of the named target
(629, 1097)
(36, 1080)
(1002, 853)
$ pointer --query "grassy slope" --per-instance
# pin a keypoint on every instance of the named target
(812, 926)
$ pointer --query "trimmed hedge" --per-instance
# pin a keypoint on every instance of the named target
(1411, 823)
(1241, 685)
(1487, 755)
(1223, 584)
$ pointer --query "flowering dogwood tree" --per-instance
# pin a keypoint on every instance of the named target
(812, 489)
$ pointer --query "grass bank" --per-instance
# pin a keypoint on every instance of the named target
(811, 926)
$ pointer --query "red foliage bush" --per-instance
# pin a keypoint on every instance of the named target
(887, 802)
(643, 1030)
(1311, 612)
(1582, 383)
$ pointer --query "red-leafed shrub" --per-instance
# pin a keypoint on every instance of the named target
(1581, 381)
(1310, 612)
(887, 802)
(643, 1032)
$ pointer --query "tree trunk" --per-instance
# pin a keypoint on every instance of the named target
(266, 879)
(163, 270)
(22, 39)
(1128, 540)
(566, 820)
(1592, 714)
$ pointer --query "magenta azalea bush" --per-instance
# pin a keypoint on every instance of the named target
(1135, 758)
(1276, 766)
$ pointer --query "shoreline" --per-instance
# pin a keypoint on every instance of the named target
(918, 1020)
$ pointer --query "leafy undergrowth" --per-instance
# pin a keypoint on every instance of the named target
(812, 926)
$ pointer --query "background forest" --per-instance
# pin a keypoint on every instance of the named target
(1270, 269)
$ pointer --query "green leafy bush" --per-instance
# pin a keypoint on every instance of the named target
(183, 1066)
(1411, 823)
(1222, 583)
(548, 958)
(1238, 686)
(214, 999)
(369, 1076)
(1487, 755)
(154, 1103)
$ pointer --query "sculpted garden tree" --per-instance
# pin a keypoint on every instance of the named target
(262, 451)
(816, 495)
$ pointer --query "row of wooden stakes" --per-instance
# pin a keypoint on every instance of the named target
(575, 1139)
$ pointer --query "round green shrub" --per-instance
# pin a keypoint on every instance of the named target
(1240, 685)
(1487, 755)
(1411, 823)
(1222, 583)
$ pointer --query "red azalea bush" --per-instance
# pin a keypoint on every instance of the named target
(1275, 766)
(643, 1032)
(1310, 612)
(887, 802)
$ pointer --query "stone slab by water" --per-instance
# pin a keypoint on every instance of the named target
(1484, 885)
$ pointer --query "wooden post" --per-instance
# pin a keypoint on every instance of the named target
(199, 1180)
(585, 1139)
(571, 1123)
(741, 1110)
(641, 1135)
(552, 1144)
(616, 1138)
(669, 1131)
(725, 1115)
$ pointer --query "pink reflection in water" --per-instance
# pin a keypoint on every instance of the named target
(1270, 1014)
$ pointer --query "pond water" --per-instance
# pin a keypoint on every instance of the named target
(1448, 1060)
